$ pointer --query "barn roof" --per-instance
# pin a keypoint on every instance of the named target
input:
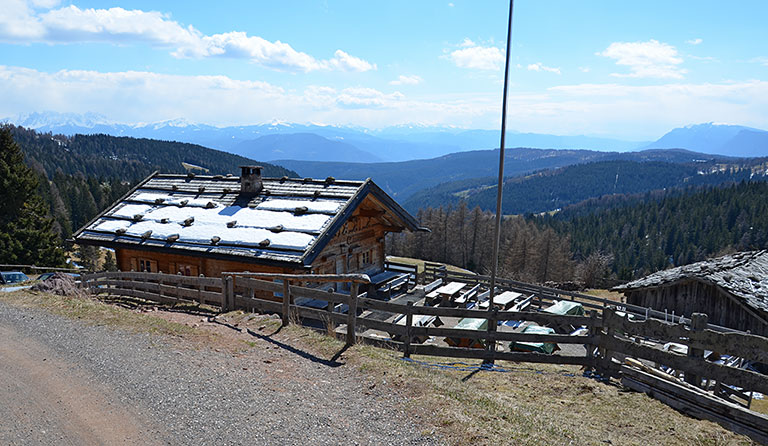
(288, 221)
(744, 275)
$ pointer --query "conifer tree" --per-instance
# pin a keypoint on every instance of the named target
(26, 232)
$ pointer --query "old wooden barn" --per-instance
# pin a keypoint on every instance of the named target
(732, 290)
(191, 225)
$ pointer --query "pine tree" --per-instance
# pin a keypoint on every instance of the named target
(26, 232)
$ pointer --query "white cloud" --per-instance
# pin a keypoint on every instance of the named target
(694, 41)
(538, 66)
(639, 112)
(406, 80)
(477, 57)
(139, 96)
(760, 60)
(646, 59)
(346, 62)
(21, 23)
(584, 69)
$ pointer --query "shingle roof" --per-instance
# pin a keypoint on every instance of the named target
(744, 274)
(289, 221)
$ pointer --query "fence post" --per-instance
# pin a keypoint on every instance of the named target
(605, 360)
(593, 333)
(352, 315)
(408, 324)
(490, 339)
(286, 302)
(698, 323)
(226, 288)
(160, 287)
(331, 326)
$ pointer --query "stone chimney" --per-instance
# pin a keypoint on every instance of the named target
(250, 179)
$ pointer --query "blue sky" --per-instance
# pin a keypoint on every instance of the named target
(631, 70)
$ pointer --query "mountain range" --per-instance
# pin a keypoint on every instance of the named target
(723, 139)
(397, 143)
(316, 142)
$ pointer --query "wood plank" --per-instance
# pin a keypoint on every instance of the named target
(726, 408)
(261, 304)
(543, 318)
(319, 295)
(738, 377)
(736, 344)
(694, 410)
(392, 329)
(256, 284)
(323, 278)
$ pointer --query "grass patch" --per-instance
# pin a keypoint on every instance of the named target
(527, 405)
(420, 264)
(98, 313)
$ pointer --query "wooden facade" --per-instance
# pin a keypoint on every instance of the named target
(208, 225)
(358, 247)
(732, 290)
(692, 296)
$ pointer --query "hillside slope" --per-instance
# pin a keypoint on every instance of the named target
(305, 146)
(403, 179)
(129, 159)
(549, 190)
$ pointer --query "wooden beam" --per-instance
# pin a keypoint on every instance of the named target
(320, 278)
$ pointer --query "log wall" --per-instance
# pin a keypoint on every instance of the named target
(686, 298)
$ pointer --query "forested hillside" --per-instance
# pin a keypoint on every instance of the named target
(403, 179)
(659, 230)
(83, 174)
(462, 237)
(129, 159)
(553, 189)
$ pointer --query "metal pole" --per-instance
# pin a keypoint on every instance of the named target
(497, 228)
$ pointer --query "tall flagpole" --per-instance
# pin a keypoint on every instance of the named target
(497, 228)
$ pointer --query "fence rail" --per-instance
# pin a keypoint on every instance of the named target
(609, 338)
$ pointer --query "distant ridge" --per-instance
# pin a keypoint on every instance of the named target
(721, 139)
(396, 143)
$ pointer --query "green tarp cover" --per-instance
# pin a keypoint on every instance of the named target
(564, 307)
(469, 323)
(536, 347)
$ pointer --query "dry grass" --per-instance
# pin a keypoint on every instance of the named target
(606, 294)
(526, 405)
(420, 264)
(98, 313)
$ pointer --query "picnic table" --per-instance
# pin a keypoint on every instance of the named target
(446, 292)
(503, 300)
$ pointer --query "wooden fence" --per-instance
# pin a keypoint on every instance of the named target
(610, 336)
(545, 295)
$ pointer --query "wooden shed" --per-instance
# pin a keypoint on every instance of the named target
(192, 224)
(732, 290)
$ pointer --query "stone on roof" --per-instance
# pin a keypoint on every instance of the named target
(744, 275)
(286, 221)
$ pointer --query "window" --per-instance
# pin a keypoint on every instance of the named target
(365, 258)
(186, 270)
(146, 265)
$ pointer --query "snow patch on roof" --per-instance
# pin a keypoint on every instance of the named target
(279, 204)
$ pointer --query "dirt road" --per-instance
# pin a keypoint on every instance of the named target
(63, 381)
(45, 400)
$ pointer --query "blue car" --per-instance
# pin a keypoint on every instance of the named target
(8, 277)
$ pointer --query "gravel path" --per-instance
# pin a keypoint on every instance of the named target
(65, 382)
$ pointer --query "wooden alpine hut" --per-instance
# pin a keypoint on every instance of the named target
(732, 290)
(192, 224)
